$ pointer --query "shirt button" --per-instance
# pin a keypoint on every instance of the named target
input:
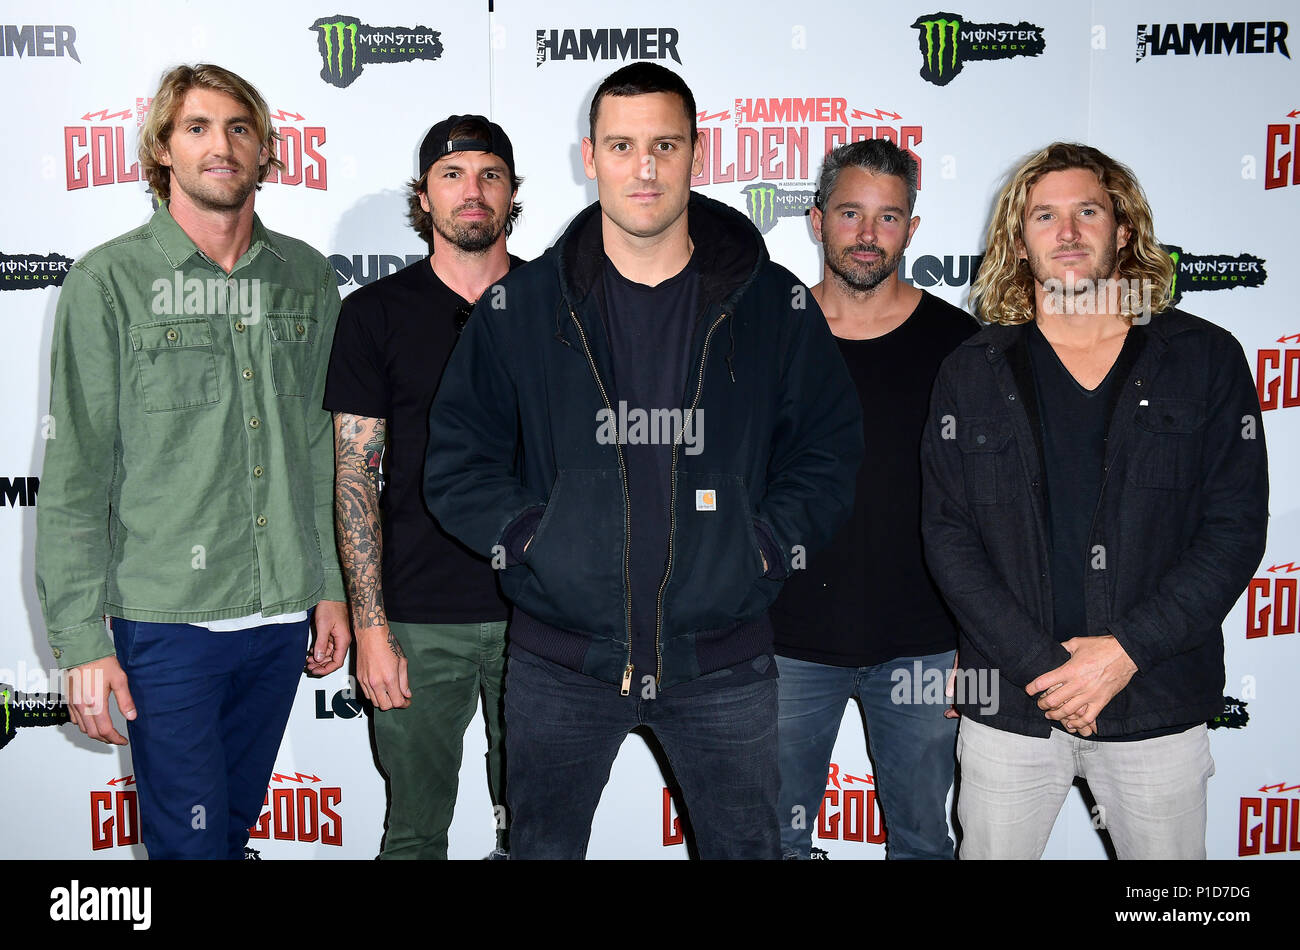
(172, 335)
(257, 471)
(254, 422)
(301, 329)
(239, 326)
(57, 652)
(261, 521)
(248, 374)
(1137, 382)
(1011, 397)
(981, 439)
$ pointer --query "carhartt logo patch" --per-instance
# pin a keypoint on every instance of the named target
(705, 500)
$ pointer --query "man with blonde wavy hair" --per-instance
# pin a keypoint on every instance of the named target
(1095, 501)
(188, 496)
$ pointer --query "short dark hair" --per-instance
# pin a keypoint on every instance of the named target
(878, 156)
(422, 220)
(640, 79)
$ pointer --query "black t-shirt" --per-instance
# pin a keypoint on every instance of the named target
(1074, 422)
(393, 340)
(650, 330)
(868, 598)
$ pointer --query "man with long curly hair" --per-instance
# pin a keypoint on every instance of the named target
(1095, 501)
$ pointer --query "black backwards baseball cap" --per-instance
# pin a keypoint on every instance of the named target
(437, 144)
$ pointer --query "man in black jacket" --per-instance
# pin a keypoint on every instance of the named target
(646, 428)
(1095, 501)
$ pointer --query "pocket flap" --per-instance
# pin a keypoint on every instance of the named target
(291, 327)
(1170, 414)
(191, 331)
(983, 434)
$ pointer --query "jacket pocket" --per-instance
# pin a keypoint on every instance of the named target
(717, 563)
(989, 460)
(573, 573)
(1167, 443)
(176, 363)
(293, 352)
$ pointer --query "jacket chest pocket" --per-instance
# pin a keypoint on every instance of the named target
(1167, 443)
(293, 350)
(989, 461)
(176, 363)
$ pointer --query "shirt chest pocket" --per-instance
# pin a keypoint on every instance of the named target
(293, 352)
(1167, 443)
(989, 461)
(176, 363)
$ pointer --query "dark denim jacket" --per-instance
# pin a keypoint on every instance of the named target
(1179, 526)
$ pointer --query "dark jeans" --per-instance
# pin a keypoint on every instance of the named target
(913, 749)
(564, 729)
(210, 712)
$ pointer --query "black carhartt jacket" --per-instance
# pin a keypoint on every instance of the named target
(513, 453)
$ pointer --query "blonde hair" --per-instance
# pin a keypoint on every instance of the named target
(1004, 290)
(162, 116)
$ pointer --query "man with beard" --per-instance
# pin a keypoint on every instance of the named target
(865, 613)
(427, 613)
(188, 493)
(1096, 499)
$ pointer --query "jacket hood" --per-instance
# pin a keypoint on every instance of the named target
(729, 251)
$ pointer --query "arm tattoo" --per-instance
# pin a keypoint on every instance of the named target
(358, 450)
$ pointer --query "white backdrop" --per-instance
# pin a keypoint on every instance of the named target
(1210, 135)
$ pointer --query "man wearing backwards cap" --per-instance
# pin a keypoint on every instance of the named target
(428, 617)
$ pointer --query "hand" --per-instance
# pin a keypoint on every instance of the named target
(333, 636)
(949, 691)
(88, 687)
(381, 668)
(1076, 692)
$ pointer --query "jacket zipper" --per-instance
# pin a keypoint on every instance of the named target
(626, 686)
(672, 501)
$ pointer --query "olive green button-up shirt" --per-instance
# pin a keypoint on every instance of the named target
(189, 466)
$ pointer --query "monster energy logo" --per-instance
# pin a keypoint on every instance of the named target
(1213, 271)
(29, 709)
(347, 46)
(766, 203)
(940, 27)
(334, 35)
(948, 42)
(761, 201)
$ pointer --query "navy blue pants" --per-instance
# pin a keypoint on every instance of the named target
(210, 712)
(563, 731)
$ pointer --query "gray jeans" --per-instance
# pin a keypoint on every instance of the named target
(1150, 793)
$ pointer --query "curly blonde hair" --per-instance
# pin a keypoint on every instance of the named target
(1003, 291)
(167, 102)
